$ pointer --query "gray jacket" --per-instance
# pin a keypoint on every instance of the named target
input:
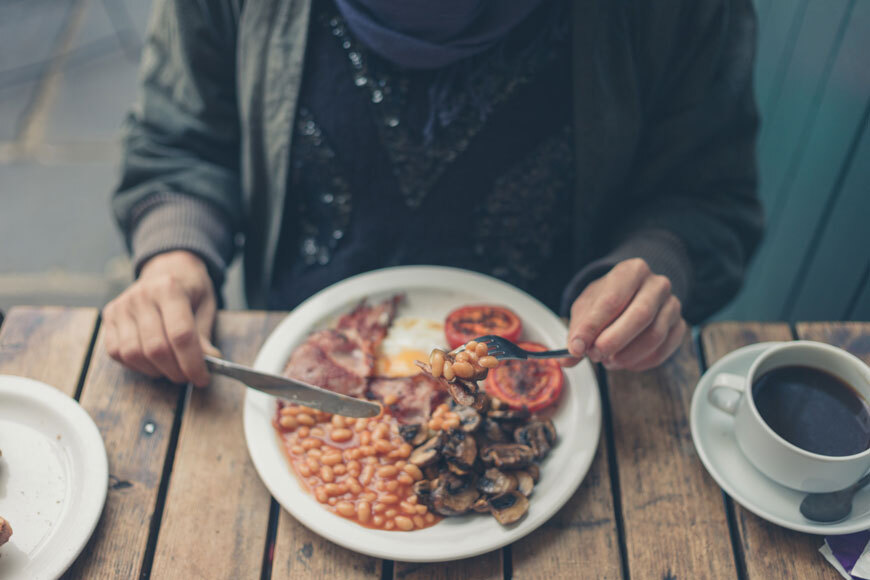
(665, 125)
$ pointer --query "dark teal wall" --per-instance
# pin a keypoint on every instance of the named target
(813, 90)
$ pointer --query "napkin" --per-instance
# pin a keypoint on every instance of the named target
(849, 554)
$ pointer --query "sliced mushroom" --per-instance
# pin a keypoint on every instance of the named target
(508, 455)
(454, 494)
(536, 435)
(428, 453)
(525, 482)
(431, 472)
(453, 468)
(509, 507)
(414, 434)
(469, 419)
(506, 415)
(481, 506)
(534, 471)
(468, 394)
(423, 492)
(494, 482)
(493, 431)
(459, 448)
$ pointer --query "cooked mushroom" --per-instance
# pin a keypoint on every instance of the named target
(459, 448)
(539, 435)
(454, 494)
(461, 393)
(414, 434)
(509, 507)
(494, 432)
(431, 472)
(453, 468)
(469, 419)
(495, 482)
(481, 506)
(509, 455)
(525, 483)
(534, 472)
(423, 491)
(428, 453)
(505, 415)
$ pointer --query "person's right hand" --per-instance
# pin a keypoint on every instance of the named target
(161, 325)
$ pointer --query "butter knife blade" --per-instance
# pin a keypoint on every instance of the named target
(293, 390)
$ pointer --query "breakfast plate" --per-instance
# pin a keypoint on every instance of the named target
(713, 434)
(429, 292)
(53, 478)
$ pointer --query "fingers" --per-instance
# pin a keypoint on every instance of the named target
(602, 302)
(637, 318)
(155, 344)
(650, 339)
(665, 351)
(183, 336)
(129, 349)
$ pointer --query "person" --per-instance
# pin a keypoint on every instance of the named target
(598, 154)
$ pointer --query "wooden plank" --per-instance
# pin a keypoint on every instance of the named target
(851, 336)
(217, 510)
(814, 168)
(674, 517)
(48, 344)
(485, 567)
(768, 551)
(839, 252)
(300, 553)
(581, 536)
(135, 416)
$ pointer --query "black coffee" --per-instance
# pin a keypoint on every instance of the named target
(814, 410)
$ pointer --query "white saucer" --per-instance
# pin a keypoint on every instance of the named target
(53, 478)
(713, 434)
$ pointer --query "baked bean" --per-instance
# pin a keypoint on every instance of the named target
(353, 485)
(305, 419)
(367, 450)
(401, 464)
(405, 479)
(472, 357)
(463, 370)
(320, 494)
(292, 410)
(488, 362)
(471, 345)
(380, 432)
(389, 525)
(370, 496)
(412, 500)
(303, 431)
(404, 523)
(332, 501)
(387, 471)
(288, 422)
(378, 508)
(315, 453)
(297, 450)
(317, 432)
(383, 446)
(341, 435)
(481, 349)
(332, 458)
(421, 509)
(390, 399)
(311, 443)
(429, 518)
(338, 421)
(418, 521)
(334, 489)
(340, 469)
(448, 371)
(379, 520)
(366, 475)
(461, 357)
(436, 361)
(435, 424)
(345, 508)
(407, 508)
(365, 438)
(363, 511)
(327, 474)
(304, 470)
(450, 424)
(391, 513)
(381, 485)
(349, 421)
(391, 485)
(353, 465)
(312, 463)
(390, 498)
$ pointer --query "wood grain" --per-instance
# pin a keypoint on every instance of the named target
(48, 344)
(217, 510)
(674, 517)
(581, 536)
(484, 567)
(851, 336)
(300, 553)
(767, 550)
(135, 416)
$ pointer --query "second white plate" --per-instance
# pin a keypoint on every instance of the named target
(430, 292)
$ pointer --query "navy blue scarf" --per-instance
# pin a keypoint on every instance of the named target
(431, 34)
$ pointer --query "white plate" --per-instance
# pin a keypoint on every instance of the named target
(430, 292)
(713, 434)
(53, 478)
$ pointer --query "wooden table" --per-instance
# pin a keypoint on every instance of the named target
(184, 500)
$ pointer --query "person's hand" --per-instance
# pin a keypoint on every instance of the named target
(627, 319)
(161, 325)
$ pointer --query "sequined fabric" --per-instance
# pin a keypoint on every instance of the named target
(489, 191)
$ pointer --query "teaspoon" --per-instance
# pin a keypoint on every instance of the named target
(833, 506)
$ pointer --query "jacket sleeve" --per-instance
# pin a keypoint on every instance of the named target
(179, 186)
(693, 210)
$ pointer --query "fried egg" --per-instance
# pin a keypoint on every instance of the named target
(408, 339)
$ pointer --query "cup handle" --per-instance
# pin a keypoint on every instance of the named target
(726, 392)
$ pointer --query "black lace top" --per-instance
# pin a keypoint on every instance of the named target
(470, 167)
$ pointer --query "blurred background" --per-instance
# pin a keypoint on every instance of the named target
(68, 74)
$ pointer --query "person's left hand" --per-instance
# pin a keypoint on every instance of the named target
(627, 319)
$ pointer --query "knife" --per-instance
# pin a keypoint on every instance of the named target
(293, 390)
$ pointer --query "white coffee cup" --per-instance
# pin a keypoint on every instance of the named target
(781, 461)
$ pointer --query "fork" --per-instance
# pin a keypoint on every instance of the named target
(503, 349)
